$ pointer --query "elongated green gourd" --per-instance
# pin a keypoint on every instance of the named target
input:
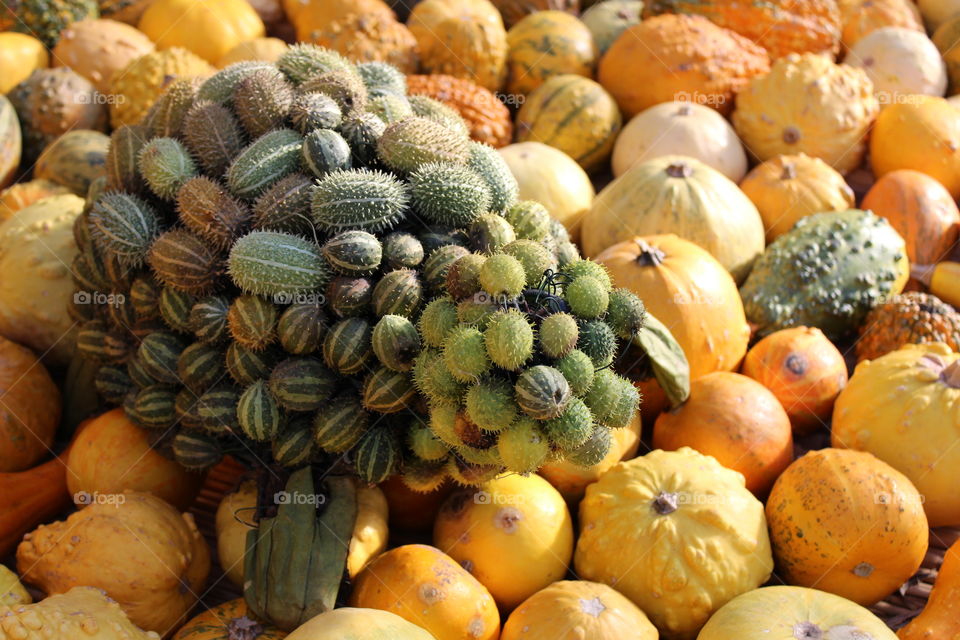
(272, 263)
(266, 160)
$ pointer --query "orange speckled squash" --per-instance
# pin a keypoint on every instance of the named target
(547, 44)
(231, 620)
(920, 209)
(368, 38)
(737, 421)
(679, 58)
(940, 619)
(425, 586)
(691, 293)
(30, 411)
(20, 55)
(488, 118)
(861, 17)
(922, 134)
(207, 28)
(847, 523)
(803, 370)
(113, 454)
(779, 26)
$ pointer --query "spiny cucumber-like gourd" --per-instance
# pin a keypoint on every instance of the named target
(252, 322)
(345, 87)
(325, 151)
(349, 297)
(262, 100)
(272, 263)
(390, 108)
(165, 164)
(167, 114)
(395, 342)
(463, 277)
(398, 292)
(449, 194)
(181, 260)
(530, 219)
(490, 233)
(363, 130)
(200, 366)
(302, 384)
(402, 250)
(220, 86)
(382, 79)
(509, 339)
(208, 319)
(491, 167)
(301, 328)
(126, 142)
(175, 305)
(314, 110)
(347, 347)
(205, 207)
(438, 263)
(123, 226)
(285, 206)
(266, 160)
(363, 199)
(431, 109)
(413, 142)
(353, 253)
(212, 134)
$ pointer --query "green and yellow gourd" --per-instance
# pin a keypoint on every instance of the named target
(46, 19)
(74, 160)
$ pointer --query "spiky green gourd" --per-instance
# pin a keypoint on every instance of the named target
(113, 383)
(252, 322)
(312, 110)
(594, 450)
(424, 444)
(362, 130)
(523, 446)
(443, 424)
(121, 314)
(200, 366)
(358, 199)
(126, 142)
(346, 347)
(626, 313)
(490, 404)
(535, 257)
(196, 451)
(219, 87)
(263, 162)
(413, 142)
(378, 455)
(490, 233)
(387, 391)
(395, 342)
(212, 134)
(423, 476)
(175, 305)
(503, 187)
(273, 263)
(571, 428)
(434, 381)
(604, 393)
(341, 424)
(465, 355)
(158, 354)
(183, 261)
(587, 297)
(438, 264)
(402, 250)
(246, 365)
(596, 339)
(258, 413)
(301, 328)
(262, 101)
(583, 267)
(390, 108)
(217, 409)
(293, 446)
(345, 87)
(88, 275)
(208, 319)
(399, 293)
(463, 277)
(476, 311)
(621, 413)
(381, 79)
(206, 209)
(558, 335)
(349, 297)
(123, 226)
(303, 61)
(167, 114)
(154, 406)
(302, 384)
(325, 151)
(353, 253)
(502, 276)
(469, 475)
(530, 220)
(442, 114)
(448, 193)
(165, 165)
(285, 206)
(436, 322)
(509, 339)
(542, 392)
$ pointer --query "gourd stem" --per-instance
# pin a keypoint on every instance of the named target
(951, 375)
(791, 135)
(684, 110)
(665, 503)
(679, 170)
(243, 628)
(649, 256)
(789, 171)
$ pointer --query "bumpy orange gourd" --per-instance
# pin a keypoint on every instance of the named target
(911, 317)
(30, 408)
(845, 522)
(231, 620)
(208, 28)
(96, 49)
(487, 117)
(737, 421)
(308, 16)
(370, 37)
(113, 454)
(425, 586)
(803, 370)
(940, 619)
(787, 188)
(547, 44)
(922, 134)
(861, 17)
(903, 408)
(679, 58)
(29, 498)
(20, 55)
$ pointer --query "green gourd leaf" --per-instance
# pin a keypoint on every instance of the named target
(669, 364)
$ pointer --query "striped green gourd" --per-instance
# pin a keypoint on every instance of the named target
(117, 344)
(399, 293)
(145, 326)
(207, 210)
(145, 296)
(252, 322)
(387, 391)
(246, 366)
(113, 383)
(362, 130)
(410, 143)
(542, 392)
(346, 347)
(217, 409)
(493, 169)
(165, 164)
(285, 206)
(344, 86)
(341, 424)
(91, 341)
(208, 319)
(302, 384)
(126, 142)
(123, 226)
(196, 450)
(88, 272)
(154, 406)
(182, 260)
(187, 408)
(530, 220)
(220, 86)
(258, 412)
(263, 162)
(313, 110)
(121, 314)
(213, 135)
(364, 199)
(293, 447)
(262, 100)
(395, 342)
(301, 328)
(159, 353)
(378, 455)
(138, 373)
(324, 151)
(272, 263)
(438, 264)
(175, 306)
(436, 236)
(349, 297)
(200, 366)
(353, 253)
(402, 250)
(490, 233)
(463, 278)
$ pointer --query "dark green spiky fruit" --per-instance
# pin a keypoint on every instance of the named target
(358, 199)
(123, 226)
(212, 134)
(217, 409)
(285, 206)
(434, 380)
(604, 392)
(465, 354)
(502, 276)
(597, 340)
(346, 348)
(175, 305)
(442, 114)
(262, 101)
(626, 313)
(594, 450)
(181, 260)
(246, 365)
(206, 209)
(463, 277)
(263, 162)
(399, 293)
(293, 447)
(341, 424)
(165, 164)
(313, 110)
(587, 297)
(558, 335)
(503, 187)
(468, 474)
(437, 236)
(584, 267)
(535, 258)
(411, 143)
(571, 428)
(378, 455)
(542, 392)
(387, 391)
(301, 328)
(490, 404)
(509, 339)
(362, 130)
(530, 220)
(252, 322)
(158, 353)
(622, 412)
(302, 61)
(208, 319)
(345, 87)
(272, 263)
(302, 384)
(477, 310)
(200, 366)
(325, 151)
(167, 114)
(490, 233)
(196, 451)
(220, 86)
(390, 108)
(186, 407)
(424, 444)
(522, 446)
(395, 342)
(91, 341)
(258, 413)
(121, 162)
(402, 250)
(381, 79)
(438, 263)
(436, 322)
(424, 476)
(448, 193)
(113, 383)
(154, 407)
(353, 253)
(138, 372)
(349, 297)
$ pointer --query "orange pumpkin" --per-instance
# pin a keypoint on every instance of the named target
(803, 370)
(30, 498)
(30, 408)
(920, 209)
(737, 421)
(113, 454)
(679, 58)
(940, 619)
(411, 510)
(845, 522)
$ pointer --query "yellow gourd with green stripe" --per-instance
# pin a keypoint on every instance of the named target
(547, 44)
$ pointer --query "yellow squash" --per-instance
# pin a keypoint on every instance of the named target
(208, 28)
(20, 55)
(235, 517)
(359, 624)
(943, 279)
(11, 591)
